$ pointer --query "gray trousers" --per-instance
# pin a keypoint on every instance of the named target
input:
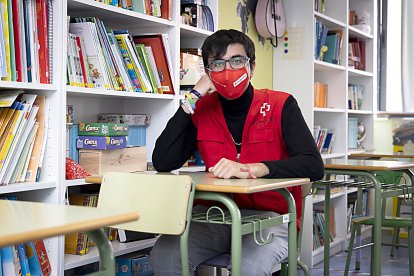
(208, 240)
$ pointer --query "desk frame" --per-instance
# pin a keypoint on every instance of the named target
(236, 233)
(377, 236)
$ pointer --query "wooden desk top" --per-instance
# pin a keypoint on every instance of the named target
(23, 221)
(366, 165)
(207, 182)
(381, 155)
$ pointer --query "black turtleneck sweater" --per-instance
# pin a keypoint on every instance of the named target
(178, 141)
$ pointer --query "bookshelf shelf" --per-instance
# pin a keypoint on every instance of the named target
(367, 112)
(343, 86)
(326, 66)
(72, 261)
(27, 186)
(28, 86)
(332, 110)
(102, 93)
(114, 16)
(193, 32)
(329, 21)
(358, 73)
(355, 32)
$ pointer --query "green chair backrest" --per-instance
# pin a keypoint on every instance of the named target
(163, 202)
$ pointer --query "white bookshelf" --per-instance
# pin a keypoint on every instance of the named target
(299, 63)
(88, 103)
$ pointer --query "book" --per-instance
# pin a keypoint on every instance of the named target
(166, 9)
(157, 45)
(320, 94)
(40, 140)
(11, 41)
(8, 261)
(43, 257)
(24, 263)
(6, 39)
(42, 29)
(34, 264)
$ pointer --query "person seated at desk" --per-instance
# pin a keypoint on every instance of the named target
(240, 132)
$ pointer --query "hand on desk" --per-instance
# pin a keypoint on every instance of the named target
(226, 168)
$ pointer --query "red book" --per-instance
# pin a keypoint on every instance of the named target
(82, 61)
(43, 257)
(42, 28)
(17, 45)
(166, 9)
(160, 56)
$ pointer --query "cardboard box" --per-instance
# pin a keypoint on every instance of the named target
(129, 119)
(103, 129)
(101, 142)
(98, 162)
(133, 264)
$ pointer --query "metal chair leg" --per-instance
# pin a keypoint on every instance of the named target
(396, 236)
(350, 248)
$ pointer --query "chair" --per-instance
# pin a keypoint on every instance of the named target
(164, 204)
(223, 260)
(389, 179)
(402, 199)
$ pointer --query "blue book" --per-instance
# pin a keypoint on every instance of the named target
(7, 260)
(34, 264)
(24, 263)
(330, 54)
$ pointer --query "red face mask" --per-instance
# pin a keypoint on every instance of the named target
(230, 83)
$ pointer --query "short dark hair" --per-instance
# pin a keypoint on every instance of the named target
(216, 45)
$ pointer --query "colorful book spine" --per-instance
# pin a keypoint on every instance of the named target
(24, 263)
(6, 41)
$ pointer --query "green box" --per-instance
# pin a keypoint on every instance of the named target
(103, 129)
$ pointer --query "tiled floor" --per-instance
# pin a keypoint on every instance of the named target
(396, 266)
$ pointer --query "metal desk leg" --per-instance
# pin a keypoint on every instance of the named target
(377, 236)
(292, 232)
(327, 238)
(410, 174)
(236, 237)
(107, 261)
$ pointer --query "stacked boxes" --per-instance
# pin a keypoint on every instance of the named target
(103, 148)
(102, 136)
(137, 124)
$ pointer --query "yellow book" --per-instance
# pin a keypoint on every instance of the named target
(6, 38)
(9, 113)
(17, 117)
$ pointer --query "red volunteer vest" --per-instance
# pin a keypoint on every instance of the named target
(262, 141)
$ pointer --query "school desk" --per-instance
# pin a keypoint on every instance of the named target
(209, 187)
(23, 221)
(367, 169)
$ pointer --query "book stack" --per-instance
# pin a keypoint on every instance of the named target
(319, 228)
(355, 96)
(22, 137)
(137, 126)
(78, 243)
(356, 54)
(324, 139)
(197, 14)
(157, 8)
(99, 57)
(26, 52)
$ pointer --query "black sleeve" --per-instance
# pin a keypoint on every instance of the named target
(176, 144)
(304, 159)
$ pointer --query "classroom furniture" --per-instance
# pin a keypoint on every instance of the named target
(87, 102)
(298, 59)
(23, 221)
(208, 187)
(367, 169)
(222, 261)
(374, 155)
(164, 201)
(401, 200)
